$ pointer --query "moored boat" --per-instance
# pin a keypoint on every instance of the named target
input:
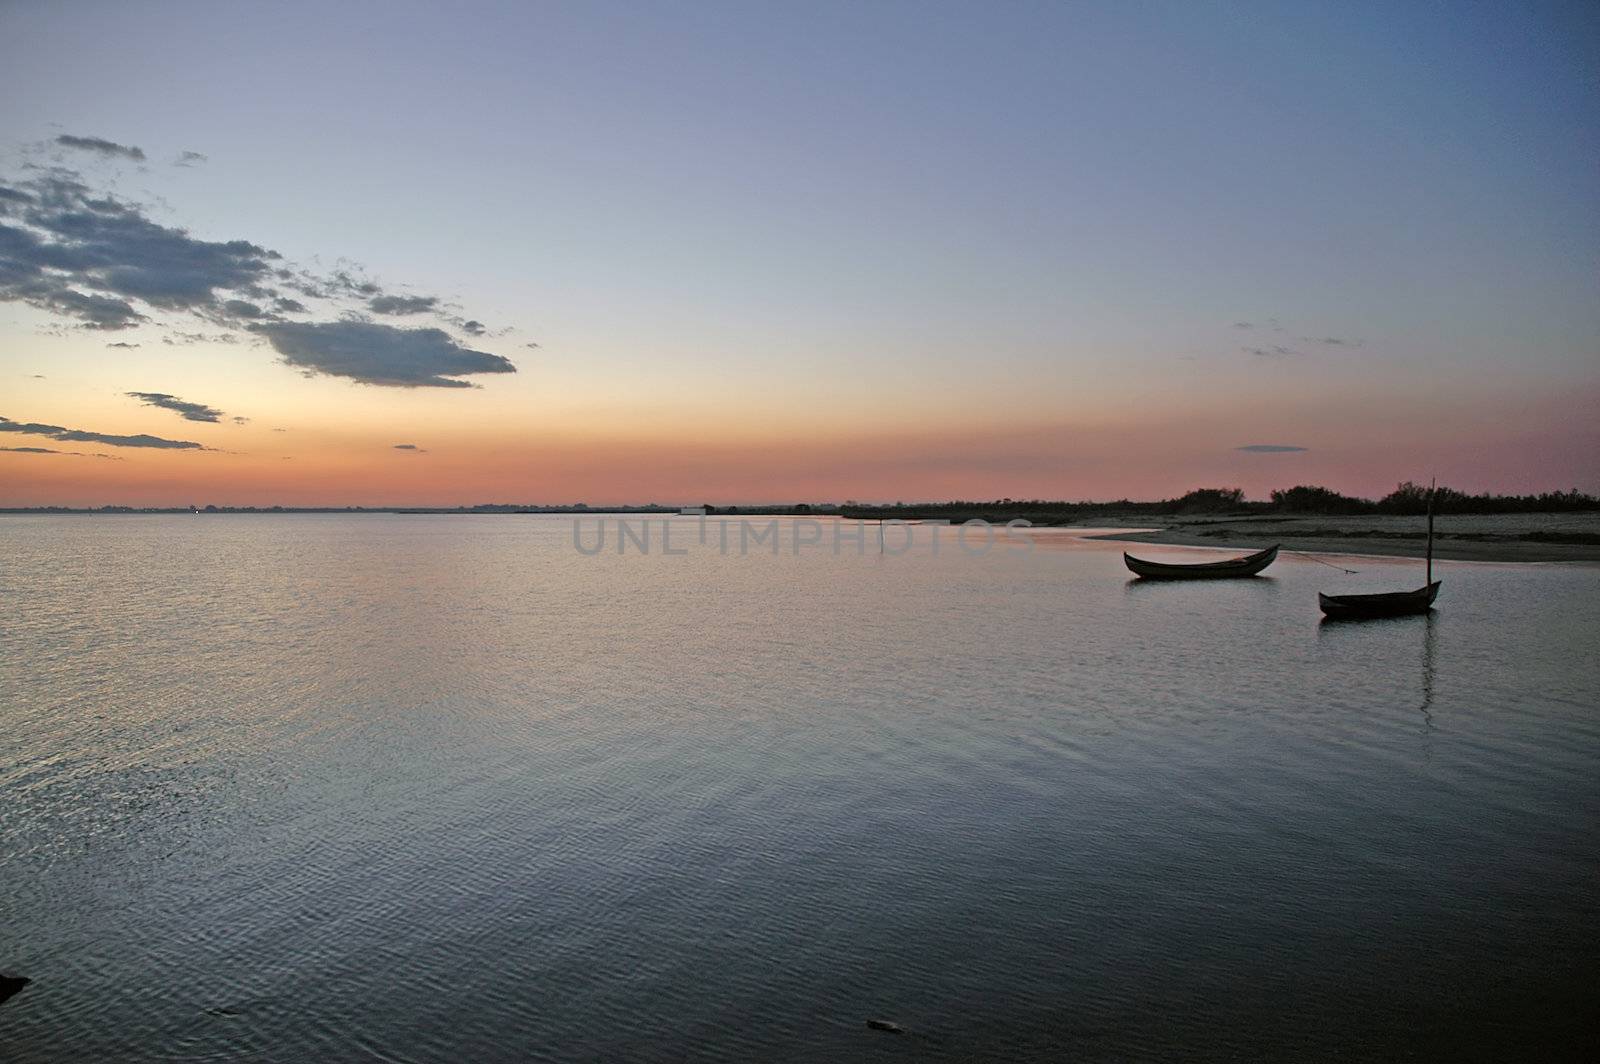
(1249, 565)
(1387, 603)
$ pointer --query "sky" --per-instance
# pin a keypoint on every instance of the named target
(418, 254)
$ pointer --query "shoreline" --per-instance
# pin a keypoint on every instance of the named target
(1484, 538)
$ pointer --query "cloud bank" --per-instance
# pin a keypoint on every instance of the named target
(380, 354)
(66, 435)
(101, 146)
(50, 450)
(402, 304)
(65, 249)
(186, 410)
(1271, 448)
(104, 263)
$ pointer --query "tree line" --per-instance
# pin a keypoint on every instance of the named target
(1412, 498)
(1406, 498)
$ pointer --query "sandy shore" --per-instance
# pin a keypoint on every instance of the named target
(1470, 537)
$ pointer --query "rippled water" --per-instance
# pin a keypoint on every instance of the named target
(442, 788)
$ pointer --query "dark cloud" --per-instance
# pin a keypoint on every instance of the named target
(120, 343)
(189, 158)
(241, 420)
(100, 146)
(104, 263)
(47, 450)
(56, 432)
(341, 282)
(380, 354)
(409, 447)
(240, 308)
(1280, 351)
(87, 256)
(186, 410)
(530, 344)
(1271, 448)
(178, 338)
(96, 312)
(399, 305)
(48, 292)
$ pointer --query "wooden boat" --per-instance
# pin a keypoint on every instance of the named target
(1388, 603)
(1249, 565)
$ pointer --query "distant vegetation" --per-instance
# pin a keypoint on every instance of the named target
(1407, 498)
(1306, 499)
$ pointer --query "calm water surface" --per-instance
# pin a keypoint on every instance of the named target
(331, 788)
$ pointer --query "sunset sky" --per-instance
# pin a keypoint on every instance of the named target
(621, 253)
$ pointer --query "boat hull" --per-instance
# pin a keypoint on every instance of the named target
(1391, 604)
(1232, 568)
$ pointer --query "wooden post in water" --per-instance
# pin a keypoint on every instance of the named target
(1434, 486)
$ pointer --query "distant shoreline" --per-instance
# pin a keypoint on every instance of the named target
(1474, 537)
(1521, 537)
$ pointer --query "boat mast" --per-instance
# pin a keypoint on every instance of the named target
(1431, 489)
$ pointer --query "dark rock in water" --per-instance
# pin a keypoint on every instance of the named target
(886, 1025)
(10, 984)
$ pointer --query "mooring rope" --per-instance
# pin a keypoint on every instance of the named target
(1319, 561)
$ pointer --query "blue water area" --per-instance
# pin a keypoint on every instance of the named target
(443, 788)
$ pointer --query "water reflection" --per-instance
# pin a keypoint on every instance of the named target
(1374, 620)
(1361, 633)
(1262, 581)
(1428, 652)
(254, 767)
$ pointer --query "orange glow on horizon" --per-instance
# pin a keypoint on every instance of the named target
(1153, 457)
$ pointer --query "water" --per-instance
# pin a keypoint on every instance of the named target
(427, 788)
